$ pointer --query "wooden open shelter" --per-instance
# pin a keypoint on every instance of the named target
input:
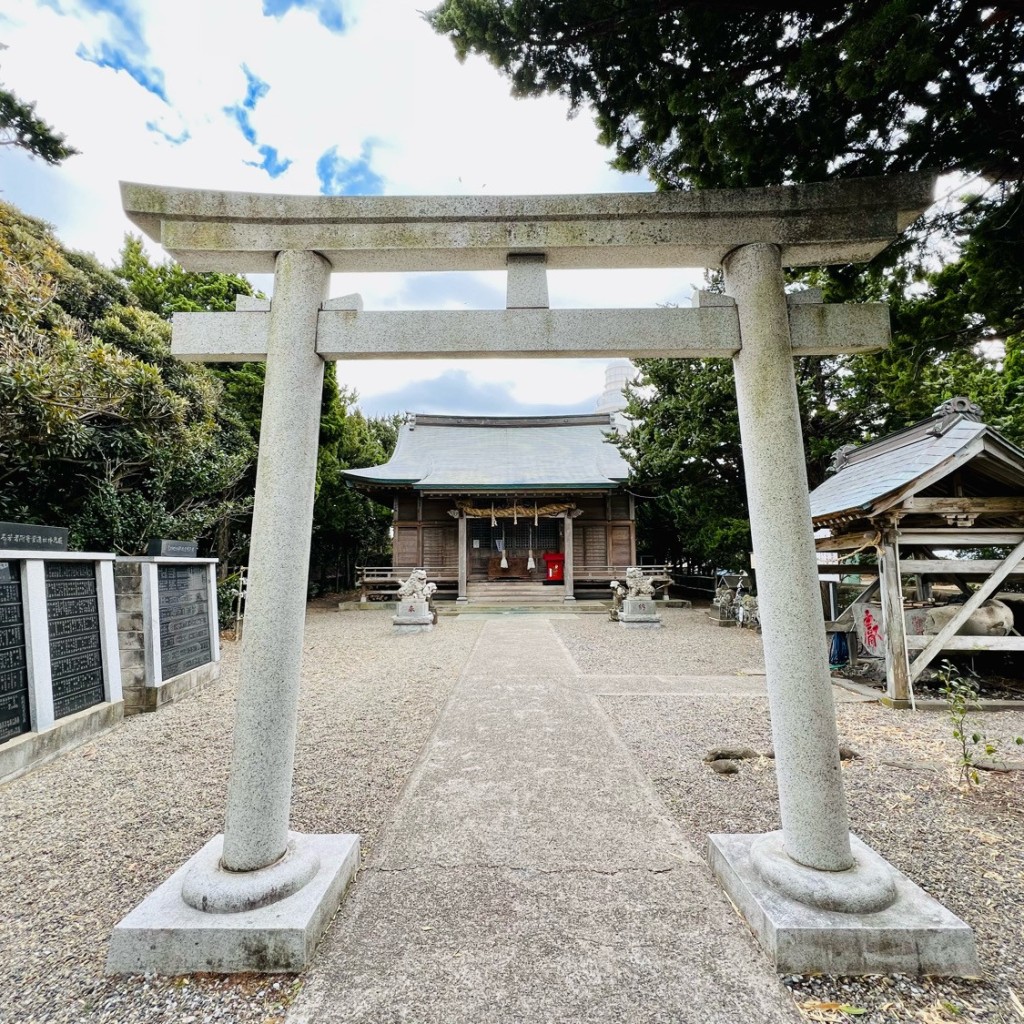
(928, 500)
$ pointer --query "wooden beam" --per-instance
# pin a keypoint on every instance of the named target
(958, 578)
(966, 506)
(987, 588)
(971, 537)
(846, 541)
(846, 569)
(971, 643)
(953, 567)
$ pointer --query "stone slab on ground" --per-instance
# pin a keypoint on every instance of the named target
(530, 873)
(166, 936)
(690, 686)
(916, 935)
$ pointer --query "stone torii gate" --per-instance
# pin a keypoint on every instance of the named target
(817, 898)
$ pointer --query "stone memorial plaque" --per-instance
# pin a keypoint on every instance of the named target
(14, 717)
(173, 548)
(26, 537)
(184, 603)
(76, 656)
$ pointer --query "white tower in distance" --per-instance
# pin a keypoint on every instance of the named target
(617, 375)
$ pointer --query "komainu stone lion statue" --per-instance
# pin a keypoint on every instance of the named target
(416, 587)
(637, 584)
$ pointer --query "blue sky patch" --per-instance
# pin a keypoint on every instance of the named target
(114, 57)
(341, 177)
(175, 140)
(241, 117)
(330, 13)
(255, 89)
(126, 49)
(273, 164)
(457, 393)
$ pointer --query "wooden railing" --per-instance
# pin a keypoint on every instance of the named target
(383, 581)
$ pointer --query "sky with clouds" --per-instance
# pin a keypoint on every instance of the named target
(338, 97)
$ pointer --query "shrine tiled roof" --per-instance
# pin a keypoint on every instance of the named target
(471, 453)
(881, 474)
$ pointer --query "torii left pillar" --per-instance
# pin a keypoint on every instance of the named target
(260, 893)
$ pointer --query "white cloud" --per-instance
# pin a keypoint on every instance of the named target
(387, 86)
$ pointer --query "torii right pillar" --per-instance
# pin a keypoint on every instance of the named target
(817, 898)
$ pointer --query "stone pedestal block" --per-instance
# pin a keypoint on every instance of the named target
(413, 615)
(166, 935)
(639, 612)
(912, 934)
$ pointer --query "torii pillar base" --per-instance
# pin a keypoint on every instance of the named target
(165, 935)
(913, 935)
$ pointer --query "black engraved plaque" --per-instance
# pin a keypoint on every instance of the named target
(184, 600)
(14, 718)
(76, 657)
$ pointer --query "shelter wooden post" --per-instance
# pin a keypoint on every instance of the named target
(897, 667)
(569, 555)
(463, 557)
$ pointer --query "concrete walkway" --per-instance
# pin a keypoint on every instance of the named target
(530, 874)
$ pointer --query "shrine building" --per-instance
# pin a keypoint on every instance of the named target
(484, 501)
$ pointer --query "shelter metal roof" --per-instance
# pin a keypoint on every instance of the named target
(470, 453)
(884, 472)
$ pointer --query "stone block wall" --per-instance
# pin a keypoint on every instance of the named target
(131, 639)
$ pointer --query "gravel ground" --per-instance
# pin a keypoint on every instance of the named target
(965, 849)
(86, 837)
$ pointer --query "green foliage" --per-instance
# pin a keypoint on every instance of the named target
(714, 95)
(167, 288)
(961, 693)
(20, 126)
(346, 525)
(229, 589)
(100, 429)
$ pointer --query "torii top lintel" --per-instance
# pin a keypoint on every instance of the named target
(842, 221)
